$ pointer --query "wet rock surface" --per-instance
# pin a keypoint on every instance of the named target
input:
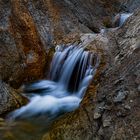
(22, 52)
(10, 98)
(28, 29)
(31, 27)
(110, 109)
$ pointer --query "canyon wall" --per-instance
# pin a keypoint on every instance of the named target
(29, 31)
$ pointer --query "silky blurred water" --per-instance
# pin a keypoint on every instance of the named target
(72, 70)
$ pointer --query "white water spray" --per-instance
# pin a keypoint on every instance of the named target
(71, 71)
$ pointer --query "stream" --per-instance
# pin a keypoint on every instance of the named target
(72, 70)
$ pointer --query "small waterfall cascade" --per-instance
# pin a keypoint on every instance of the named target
(72, 70)
(124, 17)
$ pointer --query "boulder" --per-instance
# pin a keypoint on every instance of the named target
(22, 53)
(10, 98)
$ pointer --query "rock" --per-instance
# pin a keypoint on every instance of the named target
(9, 135)
(122, 64)
(107, 121)
(107, 22)
(139, 88)
(28, 29)
(127, 107)
(1, 119)
(137, 74)
(98, 110)
(97, 115)
(131, 101)
(10, 98)
(46, 137)
(2, 122)
(122, 113)
(101, 131)
(89, 17)
(116, 21)
(23, 54)
(130, 5)
(121, 95)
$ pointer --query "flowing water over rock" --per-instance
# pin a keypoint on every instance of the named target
(124, 17)
(119, 20)
(72, 70)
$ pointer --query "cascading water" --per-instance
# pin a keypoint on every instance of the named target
(124, 17)
(72, 69)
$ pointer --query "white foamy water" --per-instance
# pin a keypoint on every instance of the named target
(72, 70)
(124, 17)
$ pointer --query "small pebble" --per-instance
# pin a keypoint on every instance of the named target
(120, 97)
(127, 107)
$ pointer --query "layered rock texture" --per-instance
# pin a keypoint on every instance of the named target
(29, 30)
(10, 98)
(110, 109)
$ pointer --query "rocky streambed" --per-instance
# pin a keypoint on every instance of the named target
(29, 31)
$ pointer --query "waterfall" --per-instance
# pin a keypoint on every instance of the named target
(121, 20)
(124, 17)
(72, 70)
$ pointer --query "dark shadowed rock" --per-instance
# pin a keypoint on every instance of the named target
(10, 98)
(98, 111)
(22, 52)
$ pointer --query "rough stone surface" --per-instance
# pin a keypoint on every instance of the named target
(21, 50)
(11, 99)
(118, 121)
(29, 28)
(120, 96)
